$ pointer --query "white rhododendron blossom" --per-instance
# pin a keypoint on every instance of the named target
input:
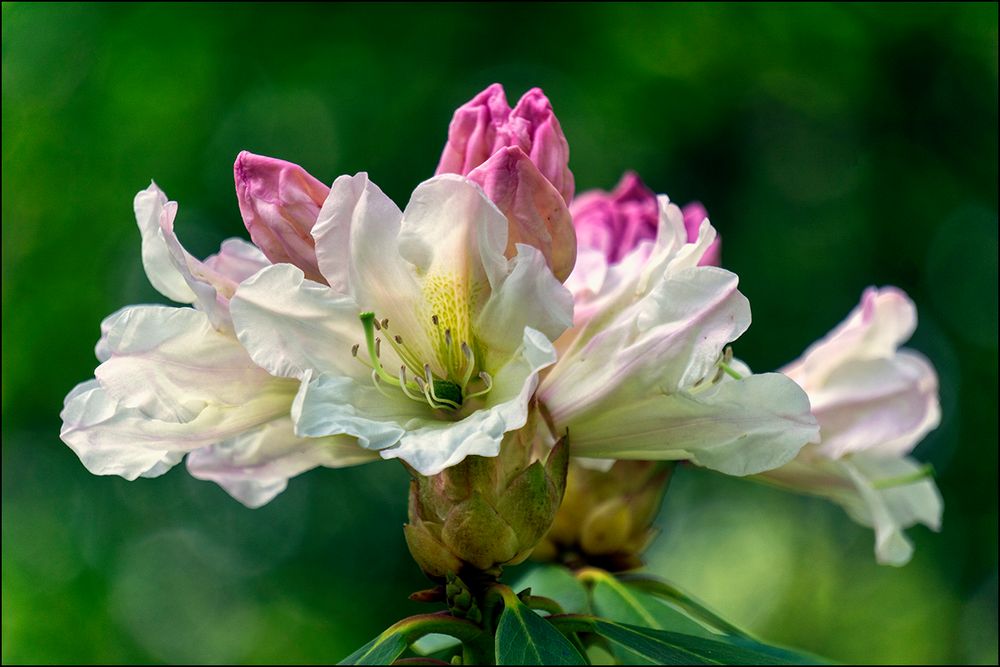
(174, 381)
(426, 341)
(874, 403)
(644, 373)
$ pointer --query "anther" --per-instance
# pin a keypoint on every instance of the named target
(385, 323)
(378, 347)
(447, 337)
(354, 349)
(378, 326)
(434, 319)
(398, 339)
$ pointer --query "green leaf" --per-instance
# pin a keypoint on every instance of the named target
(380, 651)
(624, 604)
(676, 597)
(525, 638)
(672, 648)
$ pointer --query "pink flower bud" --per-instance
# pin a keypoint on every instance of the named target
(535, 210)
(616, 222)
(486, 124)
(280, 202)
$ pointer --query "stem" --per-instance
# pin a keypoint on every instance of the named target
(925, 471)
(543, 603)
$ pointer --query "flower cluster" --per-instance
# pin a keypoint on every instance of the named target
(491, 317)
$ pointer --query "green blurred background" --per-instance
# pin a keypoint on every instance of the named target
(834, 146)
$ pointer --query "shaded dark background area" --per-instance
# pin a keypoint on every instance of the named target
(835, 147)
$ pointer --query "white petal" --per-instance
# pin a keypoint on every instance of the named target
(667, 341)
(451, 228)
(290, 325)
(739, 428)
(112, 439)
(355, 205)
(880, 405)
(438, 445)
(884, 320)
(170, 363)
(529, 296)
(254, 467)
(150, 206)
(331, 404)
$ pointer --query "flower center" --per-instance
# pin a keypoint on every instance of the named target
(415, 378)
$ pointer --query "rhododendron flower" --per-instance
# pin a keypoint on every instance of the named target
(176, 380)
(644, 373)
(874, 403)
(427, 340)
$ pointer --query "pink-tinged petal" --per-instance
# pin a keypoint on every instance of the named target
(665, 342)
(171, 362)
(472, 132)
(486, 124)
(533, 122)
(884, 406)
(536, 213)
(180, 276)
(868, 395)
(280, 202)
(694, 215)
(255, 466)
(875, 329)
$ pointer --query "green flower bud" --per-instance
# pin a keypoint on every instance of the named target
(606, 518)
(486, 512)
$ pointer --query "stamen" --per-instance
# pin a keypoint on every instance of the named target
(485, 377)
(470, 364)
(404, 385)
(447, 337)
(723, 366)
(925, 471)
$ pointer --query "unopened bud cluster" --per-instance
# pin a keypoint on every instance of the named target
(606, 518)
(488, 512)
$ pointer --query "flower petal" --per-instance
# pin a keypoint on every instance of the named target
(280, 202)
(290, 325)
(255, 466)
(112, 439)
(150, 206)
(883, 405)
(536, 212)
(667, 341)
(530, 296)
(331, 404)
(739, 428)
(170, 363)
(884, 320)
